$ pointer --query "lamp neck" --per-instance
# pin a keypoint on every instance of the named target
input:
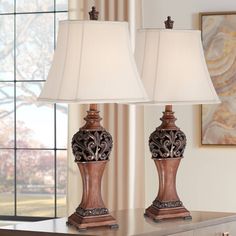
(93, 107)
(92, 119)
(168, 119)
(168, 108)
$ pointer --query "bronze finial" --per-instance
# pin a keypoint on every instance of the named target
(169, 23)
(93, 15)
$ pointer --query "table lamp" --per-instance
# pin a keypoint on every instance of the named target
(173, 69)
(93, 63)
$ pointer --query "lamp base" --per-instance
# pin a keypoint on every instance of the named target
(91, 147)
(167, 144)
(82, 223)
(167, 213)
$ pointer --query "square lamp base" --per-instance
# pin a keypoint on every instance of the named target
(168, 213)
(82, 223)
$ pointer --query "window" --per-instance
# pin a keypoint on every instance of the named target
(33, 135)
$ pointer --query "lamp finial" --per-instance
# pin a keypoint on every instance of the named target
(93, 14)
(169, 23)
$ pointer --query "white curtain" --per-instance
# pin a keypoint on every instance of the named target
(123, 180)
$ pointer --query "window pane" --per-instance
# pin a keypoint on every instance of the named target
(6, 6)
(6, 47)
(35, 183)
(6, 115)
(61, 182)
(62, 126)
(34, 46)
(61, 5)
(34, 5)
(34, 121)
(6, 182)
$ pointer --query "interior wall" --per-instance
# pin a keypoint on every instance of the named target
(207, 175)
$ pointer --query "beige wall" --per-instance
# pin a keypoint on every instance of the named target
(207, 175)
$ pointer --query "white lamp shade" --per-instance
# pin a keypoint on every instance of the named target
(93, 63)
(173, 68)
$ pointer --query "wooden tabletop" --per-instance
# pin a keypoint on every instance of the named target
(131, 222)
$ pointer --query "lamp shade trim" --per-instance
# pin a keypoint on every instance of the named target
(93, 101)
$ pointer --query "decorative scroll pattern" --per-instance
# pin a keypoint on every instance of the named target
(91, 145)
(170, 204)
(92, 212)
(167, 143)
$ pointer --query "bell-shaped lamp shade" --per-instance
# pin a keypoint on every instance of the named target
(93, 63)
(172, 67)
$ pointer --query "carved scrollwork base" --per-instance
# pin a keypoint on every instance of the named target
(167, 204)
(167, 143)
(91, 145)
(91, 212)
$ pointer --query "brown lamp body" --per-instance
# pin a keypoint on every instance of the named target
(167, 144)
(91, 211)
(91, 147)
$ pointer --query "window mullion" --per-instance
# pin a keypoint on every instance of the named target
(15, 153)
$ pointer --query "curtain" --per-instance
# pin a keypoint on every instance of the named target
(123, 180)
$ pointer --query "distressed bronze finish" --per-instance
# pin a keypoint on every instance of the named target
(167, 144)
(91, 145)
(91, 212)
(170, 204)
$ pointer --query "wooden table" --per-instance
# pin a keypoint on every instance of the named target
(132, 222)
